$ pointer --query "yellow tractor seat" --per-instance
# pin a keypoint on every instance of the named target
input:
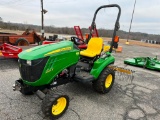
(106, 48)
(94, 47)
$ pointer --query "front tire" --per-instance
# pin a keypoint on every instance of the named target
(55, 105)
(105, 81)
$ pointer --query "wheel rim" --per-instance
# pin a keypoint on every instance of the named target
(22, 43)
(108, 81)
(59, 106)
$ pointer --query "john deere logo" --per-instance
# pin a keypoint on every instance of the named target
(77, 53)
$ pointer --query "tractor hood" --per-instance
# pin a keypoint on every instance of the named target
(46, 50)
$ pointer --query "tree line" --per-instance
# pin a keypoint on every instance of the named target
(70, 30)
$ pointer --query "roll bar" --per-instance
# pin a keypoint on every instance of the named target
(117, 26)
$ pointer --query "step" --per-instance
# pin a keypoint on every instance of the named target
(83, 76)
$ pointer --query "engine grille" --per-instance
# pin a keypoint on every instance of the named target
(32, 72)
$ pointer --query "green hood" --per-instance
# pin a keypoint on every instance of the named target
(46, 50)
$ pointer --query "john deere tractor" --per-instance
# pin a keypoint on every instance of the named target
(44, 67)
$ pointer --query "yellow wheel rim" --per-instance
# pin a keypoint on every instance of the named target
(60, 106)
(108, 81)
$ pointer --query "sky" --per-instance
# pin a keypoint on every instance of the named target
(69, 13)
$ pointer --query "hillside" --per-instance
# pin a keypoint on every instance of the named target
(68, 30)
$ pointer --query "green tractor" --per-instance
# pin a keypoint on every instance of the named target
(44, 67)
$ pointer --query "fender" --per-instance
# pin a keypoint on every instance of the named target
(100, 64)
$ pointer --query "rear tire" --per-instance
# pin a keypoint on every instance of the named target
(105, 81)
(55, 105)
(22, 42)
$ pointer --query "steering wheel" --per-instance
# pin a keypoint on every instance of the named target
(77, 41)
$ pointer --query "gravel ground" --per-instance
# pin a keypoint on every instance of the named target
(136, 99)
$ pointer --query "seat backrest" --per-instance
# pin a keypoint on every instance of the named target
(95, 45)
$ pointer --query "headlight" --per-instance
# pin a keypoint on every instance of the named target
(29, 62)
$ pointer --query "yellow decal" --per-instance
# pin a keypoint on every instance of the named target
(58, 50)
(28, 50)
(49, 70)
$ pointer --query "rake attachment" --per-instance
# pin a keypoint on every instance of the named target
(123, 73)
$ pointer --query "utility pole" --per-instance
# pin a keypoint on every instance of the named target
(42, 30)
(131, 22)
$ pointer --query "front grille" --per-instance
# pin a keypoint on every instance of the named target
(32, 72)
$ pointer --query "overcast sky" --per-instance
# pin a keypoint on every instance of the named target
(62, 13)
